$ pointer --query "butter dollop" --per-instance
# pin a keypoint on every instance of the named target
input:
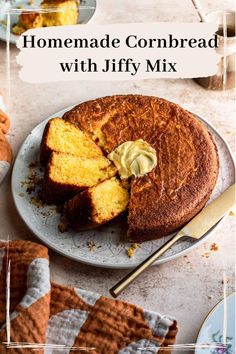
(135, 158)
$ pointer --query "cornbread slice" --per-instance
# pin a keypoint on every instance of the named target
(27, 21)
(67, 12)
(62, 136)
(97, 205)
(67, 174)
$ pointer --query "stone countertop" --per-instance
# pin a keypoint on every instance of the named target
(189, 286)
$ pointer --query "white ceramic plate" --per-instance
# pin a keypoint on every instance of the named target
(86, 11)
(212, 329)
(110, 245)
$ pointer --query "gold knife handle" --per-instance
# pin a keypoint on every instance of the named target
(123, 283)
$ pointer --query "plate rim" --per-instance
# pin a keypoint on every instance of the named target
(233, 293)
(94, 262)
(13, 38)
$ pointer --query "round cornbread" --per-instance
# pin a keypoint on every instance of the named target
(187, 159)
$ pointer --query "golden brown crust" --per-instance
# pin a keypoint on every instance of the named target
(54, 192)
(45, 151)
(82, 211)
(187, 169)
(57, 193)
(79, 211)
(31, 20)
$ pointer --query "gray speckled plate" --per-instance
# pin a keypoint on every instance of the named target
(86, 11)
(109, 240)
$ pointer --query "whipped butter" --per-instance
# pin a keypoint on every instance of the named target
(134, 158)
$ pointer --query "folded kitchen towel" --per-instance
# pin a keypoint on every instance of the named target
(52, 314)
(5, 148)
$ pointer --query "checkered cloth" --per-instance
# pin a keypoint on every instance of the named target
(44, 312)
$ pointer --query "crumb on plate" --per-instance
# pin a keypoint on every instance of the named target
(91, 246)
(36, 201)
(132, 250)
(63, 227)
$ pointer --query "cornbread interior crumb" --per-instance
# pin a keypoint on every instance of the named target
(109, 199)
(67, 14)
(74, 170)
(67, 138)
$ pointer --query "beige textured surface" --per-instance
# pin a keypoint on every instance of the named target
(189, 286)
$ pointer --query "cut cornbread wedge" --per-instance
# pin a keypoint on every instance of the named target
(67, 12)
(62, 136)
(67, 174)
(27, 21)
(97, 205)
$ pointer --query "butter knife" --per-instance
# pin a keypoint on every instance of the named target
(196, 228)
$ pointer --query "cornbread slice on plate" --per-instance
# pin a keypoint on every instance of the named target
(68, 174)
(28, 21)
(67, 12)
(97, 205)
(62, 136)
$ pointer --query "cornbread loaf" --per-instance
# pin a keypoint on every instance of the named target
(61, 136)
(187, 159)
(68, 174)
(97, 205)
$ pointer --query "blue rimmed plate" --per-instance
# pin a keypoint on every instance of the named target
(218, 329)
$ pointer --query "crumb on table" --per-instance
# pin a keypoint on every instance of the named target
(214, 247)
(206, 255)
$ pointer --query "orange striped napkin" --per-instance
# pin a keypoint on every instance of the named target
(50, 318)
